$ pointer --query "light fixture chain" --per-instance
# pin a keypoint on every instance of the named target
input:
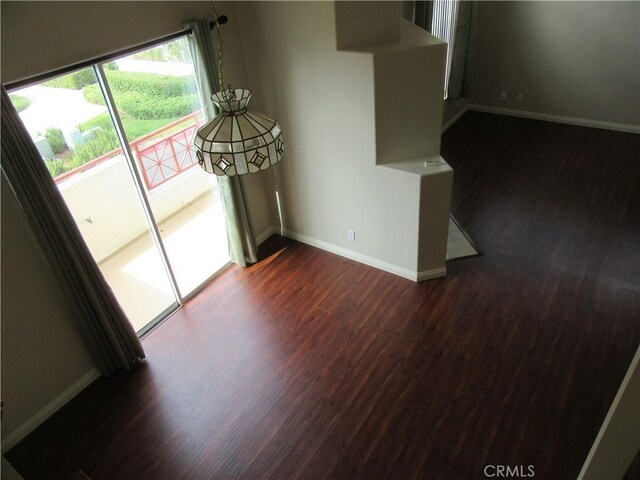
(220, 43)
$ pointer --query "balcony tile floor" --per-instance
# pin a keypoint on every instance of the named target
(196, 245)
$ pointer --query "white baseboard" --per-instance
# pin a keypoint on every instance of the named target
(431, 274)
(49, 409)
(583, 122)
(455, 118)
(365, 259)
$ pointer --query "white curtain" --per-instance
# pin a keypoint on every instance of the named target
(449, 20)
(443, 26)
(110, 337)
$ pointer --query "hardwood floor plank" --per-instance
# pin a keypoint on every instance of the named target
(308, 365)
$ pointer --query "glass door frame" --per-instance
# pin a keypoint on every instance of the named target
(97, 64)
(146, 206)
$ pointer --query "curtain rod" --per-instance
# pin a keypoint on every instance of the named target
(222, 19)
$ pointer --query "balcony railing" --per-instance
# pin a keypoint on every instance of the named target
(159, 159)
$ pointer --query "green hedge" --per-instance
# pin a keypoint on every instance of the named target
(151, 84)
(79, 79)
(54, 166)
(103, 141)
(56, 140)
(92, 94)
(19, 103)
(103, 121)
(73, 81)
(146, 96)
(144, 107)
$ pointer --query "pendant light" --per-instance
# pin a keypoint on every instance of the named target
(237, 141)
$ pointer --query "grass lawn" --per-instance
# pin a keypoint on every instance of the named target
(133, 128)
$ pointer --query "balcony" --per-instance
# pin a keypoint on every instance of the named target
(185, 204)
(123, 207)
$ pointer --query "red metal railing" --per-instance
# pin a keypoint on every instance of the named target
(159, 159)
(162, 159)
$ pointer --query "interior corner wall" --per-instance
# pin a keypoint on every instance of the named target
(43, 352)
(567, 58)
(324, 100)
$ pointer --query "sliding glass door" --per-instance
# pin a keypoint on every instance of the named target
(117, 139)
(184, 200)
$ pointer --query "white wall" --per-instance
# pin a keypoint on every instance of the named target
(42, 354)
(567, 58)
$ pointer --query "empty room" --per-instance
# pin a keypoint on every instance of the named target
(320, 240)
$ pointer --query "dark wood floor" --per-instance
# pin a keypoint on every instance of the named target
(308, 365)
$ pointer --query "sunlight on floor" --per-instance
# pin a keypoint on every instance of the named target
(196, 246)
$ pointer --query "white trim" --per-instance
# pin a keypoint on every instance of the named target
(351, 255)
(266, 234)
(49, 409)
(583, 122)
(430, 274)
(455, 118)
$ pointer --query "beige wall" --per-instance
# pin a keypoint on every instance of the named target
(323, 100)
(574, 59)
(42, 36)
(42, 354)
(335, 108)
(42, 350)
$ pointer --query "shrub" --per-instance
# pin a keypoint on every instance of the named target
(146, 96)
(73, 81)
(19, 103)
(103, 121)
(92, 94)
(103, 141)
(151, 84)
(142, 107)
(54, 166)
(56, 140)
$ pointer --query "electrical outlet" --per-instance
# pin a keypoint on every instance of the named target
(503, 95)
(351, 235)
(518, 97)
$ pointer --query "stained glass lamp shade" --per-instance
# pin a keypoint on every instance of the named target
(238, 141)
